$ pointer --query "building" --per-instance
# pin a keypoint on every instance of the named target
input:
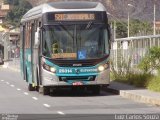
(4, 9)
(14, 38)
(157, 27)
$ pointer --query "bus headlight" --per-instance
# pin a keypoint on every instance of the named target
(52, 69)
(48, 68)
(101, 68)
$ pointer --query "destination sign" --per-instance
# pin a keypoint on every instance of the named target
(64, 55)
(74, 17)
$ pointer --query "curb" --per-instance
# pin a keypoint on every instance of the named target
(11, 68)
(114, 91)
(140, 98)
(135, 97)
(14, 69)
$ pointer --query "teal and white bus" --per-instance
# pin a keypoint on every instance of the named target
(65, 44)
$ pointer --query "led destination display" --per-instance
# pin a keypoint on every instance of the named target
(74, 17)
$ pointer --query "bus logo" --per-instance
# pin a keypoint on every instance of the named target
(76, 65)
(77, 71)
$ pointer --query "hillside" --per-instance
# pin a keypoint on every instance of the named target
(143, 9)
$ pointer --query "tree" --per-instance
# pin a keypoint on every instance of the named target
(151, 61)
(20, 8)
(121, 29)
(139, 28)
(12, 2)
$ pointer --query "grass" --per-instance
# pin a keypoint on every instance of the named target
(139, 80)
(154, 84)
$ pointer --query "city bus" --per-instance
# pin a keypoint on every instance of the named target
(65, 44)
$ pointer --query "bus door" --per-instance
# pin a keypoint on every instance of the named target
(34, 55)
(22, 52)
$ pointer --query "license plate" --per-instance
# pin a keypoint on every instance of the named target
(77, 83)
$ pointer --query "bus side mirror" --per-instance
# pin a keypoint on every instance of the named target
(37, 37)
(109, 33)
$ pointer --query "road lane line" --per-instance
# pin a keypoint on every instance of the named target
(26, 93)
(46, 105)
(7, 83)
(60, 112)
(18, 89)
(12, 85)
(35, 98)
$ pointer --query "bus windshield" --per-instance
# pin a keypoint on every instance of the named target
(83, 41)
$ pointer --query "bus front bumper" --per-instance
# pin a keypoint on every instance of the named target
(50, 79)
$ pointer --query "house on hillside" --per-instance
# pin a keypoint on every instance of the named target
(4, 9)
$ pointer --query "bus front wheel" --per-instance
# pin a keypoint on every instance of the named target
(44, 90)
(30, 87)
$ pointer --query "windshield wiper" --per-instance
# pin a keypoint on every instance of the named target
(66, 30)
(89, 25)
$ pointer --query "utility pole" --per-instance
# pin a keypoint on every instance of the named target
(129, 5)
(128, 22)
(114, 27)
(154, 21)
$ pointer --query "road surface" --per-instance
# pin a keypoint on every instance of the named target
(16, 99)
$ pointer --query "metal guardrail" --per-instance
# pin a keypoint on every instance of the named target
(138, 37)
(134, 48)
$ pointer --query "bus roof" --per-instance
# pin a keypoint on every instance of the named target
(37, 12)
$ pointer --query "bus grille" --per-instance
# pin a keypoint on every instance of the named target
(80, 78)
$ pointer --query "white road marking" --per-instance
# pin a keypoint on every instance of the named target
(26, 93)
(2, 80)
(18, 89)
(35, 98)
(12, 85)
(60, 112)
(46, 105)
(7, 83)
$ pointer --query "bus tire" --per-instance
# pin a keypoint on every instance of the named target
(37, 74)
(37, 88)
(30, 87)
(96, 89)
(44, 90)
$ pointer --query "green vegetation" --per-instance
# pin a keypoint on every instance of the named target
(12, 2)
(143, 77)
(151, 61)
(140, 28)
(20, 7)
(137, 28)
(121, 29)
(138, 80)
(154, 84)
(125, 74)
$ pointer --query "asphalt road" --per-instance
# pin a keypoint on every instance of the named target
(16, 99)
